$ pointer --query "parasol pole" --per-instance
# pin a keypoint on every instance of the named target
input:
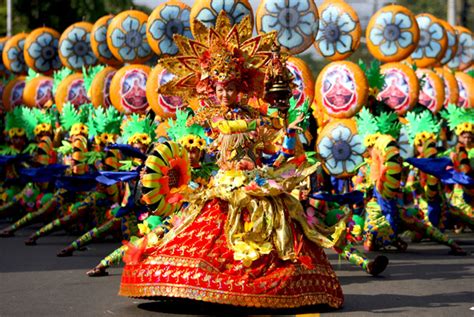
(9, 17)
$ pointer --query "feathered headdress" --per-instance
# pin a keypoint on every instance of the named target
(459, 119)
(188, 136)
(220, 54)
(421, 127)
(138, 129)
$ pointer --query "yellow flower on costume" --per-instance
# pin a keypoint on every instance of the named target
(192, 141)
(465, 127)
(370, 140)
(16, 132)
(79, 128)
(143, 228)
(43, 127)
(142, 138)
(422, 137)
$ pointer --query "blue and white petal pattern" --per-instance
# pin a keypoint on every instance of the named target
(449, 52)
(391, 32)
(235, 10)
(431, 33)
(174, 20)
(334, 36)
(131, 40)
(44, 51)
(294, 20)
(341, 151)
(76, 48)
(16, 58)
(100, 36)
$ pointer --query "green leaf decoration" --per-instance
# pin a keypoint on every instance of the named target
(421, 122)
(31, 75)
(128, 165)
(69, 116)
(14, 119)
(374, 77)
(8, 150)
(455, 116)
(179, 128)
(388, 123)
(366, 123)
(31, 148)
(93, 156)
(311, 157)
(89, 75)
(294, 112)
(59, 76)
(137, 124)
(66, 148)
(471, 73)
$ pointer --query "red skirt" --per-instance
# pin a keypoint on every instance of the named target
(197, 264)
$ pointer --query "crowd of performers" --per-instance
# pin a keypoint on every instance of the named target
(228, 203)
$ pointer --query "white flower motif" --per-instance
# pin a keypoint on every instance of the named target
(292, 19)
(45, 53)
(334, 29)
(173, 21)
(76, 48)
(391, 32)
(16, 57)
(132, 42)
(235, 10)
(430, 33)
(342, 152)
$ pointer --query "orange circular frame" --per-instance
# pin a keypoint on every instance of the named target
(99, 42)
(75, 46)
(128, 89)
(341, 89)
(451, 90)
(41, 50)
(392, 34)
(432, 94)
(13, 93)
(38, 92)
(99, 92)
(466, 90)
(452, 48)
(339, 30)
(13, 57)
(401, 87)
(3, 70)
(72, 90)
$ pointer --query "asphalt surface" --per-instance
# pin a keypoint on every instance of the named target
(424, 281)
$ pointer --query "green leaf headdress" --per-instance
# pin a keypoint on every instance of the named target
(75, 121)
(89, 75)
(421, 127)
(104, 124)
(14, 123)
(139, 129)
(188, 136)
(37, 121)
(367, 127)
(459, 119)
(374, 77)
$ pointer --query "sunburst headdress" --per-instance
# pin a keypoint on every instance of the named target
(218, 55)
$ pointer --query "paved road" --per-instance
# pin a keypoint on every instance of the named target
(425, 281)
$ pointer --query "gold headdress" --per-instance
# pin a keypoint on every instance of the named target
(220, 54)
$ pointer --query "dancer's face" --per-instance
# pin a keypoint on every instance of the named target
(227, 94)
(466, 139)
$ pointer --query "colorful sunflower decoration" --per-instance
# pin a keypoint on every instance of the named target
(295, 21)
(138, 129)
(342, 89)
(13, 57)
(392, 34)
(339, 30)
(190, 137)
(41, 50)
(104, 125)
(432, 94)
(422, 128)
(340, 148)
(433, 41)
(207, 11)
(38, 121)
(126, 37)
(168, 19)
(75, 46)
(451, 90)
(99, 42)
(459, 120)
(14, 123)
(167, 174)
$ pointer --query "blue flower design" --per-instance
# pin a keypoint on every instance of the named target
(449, 52)
(292, 19)
(174, 20)
(235, 10)
(45, 53)
(334, 29)
(430, 33)
(76, 48)
(100, 35)
(342, 152)
(465, 51)
(3, 69)
(391, 32)
(131, 42)
(16, 57)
